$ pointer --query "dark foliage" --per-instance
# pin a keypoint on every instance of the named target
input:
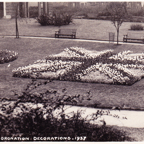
(33, 12)
(136, 27)
(56, 19)
(31, 122)
(43, 20)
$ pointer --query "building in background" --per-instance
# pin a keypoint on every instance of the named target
(8, 9)
(34, 9)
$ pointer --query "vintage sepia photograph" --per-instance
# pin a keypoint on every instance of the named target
(72, 71)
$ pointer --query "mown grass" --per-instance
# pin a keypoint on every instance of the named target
(102, 95)
(86, 28)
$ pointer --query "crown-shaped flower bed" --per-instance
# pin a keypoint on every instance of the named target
(79, 64)
(7, 56)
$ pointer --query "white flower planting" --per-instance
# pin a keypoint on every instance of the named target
(41, 66)
(79, 53)
(72, 53)
(128, 55)
(67, 53)
(88, 53)
(7, 56)
(76, 63)
(107, 70)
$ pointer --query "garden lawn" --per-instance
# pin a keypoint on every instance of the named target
(86, 28)
(102, 95)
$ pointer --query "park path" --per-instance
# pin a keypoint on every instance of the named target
(121, 118)
(80, 40)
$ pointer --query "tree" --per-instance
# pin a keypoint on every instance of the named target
(117, 12)
(16, 16)
(19, 15)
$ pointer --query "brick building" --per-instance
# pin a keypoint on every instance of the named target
(8, 9)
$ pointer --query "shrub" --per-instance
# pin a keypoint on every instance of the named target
(62, 19)
(67, 19)
(136, 12)
(43, 20)
(136, 27)
(30, 121)
(56, 19)
(104, 13)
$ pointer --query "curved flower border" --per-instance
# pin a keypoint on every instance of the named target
(7, 56)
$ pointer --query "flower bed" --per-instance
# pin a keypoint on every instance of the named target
(79, 64)
(7, 56)
(129, 57)
(47, 69)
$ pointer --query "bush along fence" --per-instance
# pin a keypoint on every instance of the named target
(34, 115)
(136, 27)
(56, 19)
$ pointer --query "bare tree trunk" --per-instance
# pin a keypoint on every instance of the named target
(17, 32)
(117, 36)
(39, 8)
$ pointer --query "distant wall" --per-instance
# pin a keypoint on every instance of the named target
(33, 4)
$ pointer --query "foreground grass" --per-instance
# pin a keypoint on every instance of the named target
(135, 133)
(22, 119)
(43, 115)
